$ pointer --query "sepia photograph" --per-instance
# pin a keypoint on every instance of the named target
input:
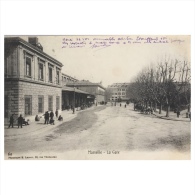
(97, 97)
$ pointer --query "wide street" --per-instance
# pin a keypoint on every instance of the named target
(106, 132)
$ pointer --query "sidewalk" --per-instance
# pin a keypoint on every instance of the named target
(172, 116)
(37, 126)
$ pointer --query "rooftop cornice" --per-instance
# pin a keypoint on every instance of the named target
(35, 49)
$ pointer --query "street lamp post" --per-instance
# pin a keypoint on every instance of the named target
(74, 101)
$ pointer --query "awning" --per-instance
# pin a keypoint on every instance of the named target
(71, 89)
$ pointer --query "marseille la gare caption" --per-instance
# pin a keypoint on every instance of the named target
(103, 152)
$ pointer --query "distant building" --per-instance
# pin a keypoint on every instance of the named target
(95, 89)
(67, 79)
(117, 91)
(73, 95)
(32, 78)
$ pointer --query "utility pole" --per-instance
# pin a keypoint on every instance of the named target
(74, 100)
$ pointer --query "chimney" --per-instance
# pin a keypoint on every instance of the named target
(34, 41)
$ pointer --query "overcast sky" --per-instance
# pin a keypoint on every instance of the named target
(101, 61)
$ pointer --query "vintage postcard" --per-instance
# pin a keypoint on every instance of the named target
(108, 97)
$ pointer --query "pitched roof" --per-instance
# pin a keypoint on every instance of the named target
(119, 85)
(84, 83)
(78, 83)
(65, 88)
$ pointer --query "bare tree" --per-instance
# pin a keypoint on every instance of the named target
(165, 84)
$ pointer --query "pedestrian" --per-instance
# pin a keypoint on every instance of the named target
(51, 115)
(125, 105)
(11, 121)
(46, 117)
(37, 118)
(60, 118)
(20, 121)
(25, 122)
(120, 105)
(190, 116)
(51, 122)
(56, 113)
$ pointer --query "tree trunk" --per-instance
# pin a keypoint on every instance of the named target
(189, 108)
(155, 105)
(146, 104)
(160, 108)
(151, 104)
(167, 110)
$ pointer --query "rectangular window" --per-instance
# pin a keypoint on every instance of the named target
(28, 66)
(28, 105)
(50, 75)
(57, 102)
(50, 103)
(40, 71)
(57, 77)
(41, 104)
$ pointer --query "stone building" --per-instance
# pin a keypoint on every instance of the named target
(34, 82)
(96, 90)
(71, 95)
(68, 79)
(117, 92)
(32, 78)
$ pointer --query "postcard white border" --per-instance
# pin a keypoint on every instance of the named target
(97, 177)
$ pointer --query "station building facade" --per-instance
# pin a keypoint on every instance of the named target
(32, 78)
(34, 82)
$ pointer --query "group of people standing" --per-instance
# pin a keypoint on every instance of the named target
(49, 117)
(20, 120)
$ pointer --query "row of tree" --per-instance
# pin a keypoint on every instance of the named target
(163, 85)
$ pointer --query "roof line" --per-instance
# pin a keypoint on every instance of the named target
(20, 40)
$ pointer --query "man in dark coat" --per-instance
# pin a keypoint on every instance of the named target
(46, 117)
(51, 115)
(56, 113)
(20, 121)
(11, 121)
